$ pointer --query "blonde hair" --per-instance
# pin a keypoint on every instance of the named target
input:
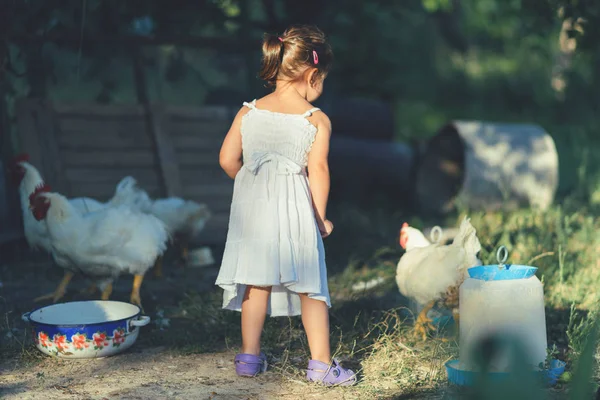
(289, 55)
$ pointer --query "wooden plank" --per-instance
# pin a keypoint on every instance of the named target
(200, 191)
(76, 133)
(218, 199)
(207, 113)
(198, 158)
(209, 143)
(167, 157)
(100, 125)
(215, 232)
(144, 176)
(97, 111)
(109, 140)
(208, 175)
(215, 204)
(112, 159)
(47, 136)
(213, 128)
(11, 236)
(104, 191)
(10, 213)
(27, 132)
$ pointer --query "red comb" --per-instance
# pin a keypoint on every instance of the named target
(21, 158)
(41, 188)
(405, 225)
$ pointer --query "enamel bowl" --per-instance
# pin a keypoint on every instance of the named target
(86, 329)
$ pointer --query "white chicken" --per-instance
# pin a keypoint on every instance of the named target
(27, 177)
(412, 238)
(101, 244)
(435, 272)
(184, 219)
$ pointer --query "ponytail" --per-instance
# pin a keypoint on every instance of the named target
(288, 56)
(272, 49)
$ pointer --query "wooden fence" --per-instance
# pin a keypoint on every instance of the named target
(84, 150)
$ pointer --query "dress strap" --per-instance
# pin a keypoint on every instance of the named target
(251, 105)
(310, 112)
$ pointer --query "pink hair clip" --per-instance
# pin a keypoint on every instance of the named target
(315, 57)
(280, 39)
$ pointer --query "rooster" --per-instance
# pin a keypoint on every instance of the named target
(184, 219)
(101, 244)
(412, 238)
(435, 272)
(27, 177)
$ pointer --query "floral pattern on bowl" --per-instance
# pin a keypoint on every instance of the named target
(100, 339)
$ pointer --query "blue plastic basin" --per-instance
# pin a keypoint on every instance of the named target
(443, 321)
(468, 378)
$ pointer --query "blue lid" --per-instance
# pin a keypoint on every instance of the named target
(501, 271)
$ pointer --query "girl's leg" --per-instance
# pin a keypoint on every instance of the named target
(315, 318)
(254, 312)
(321, 368)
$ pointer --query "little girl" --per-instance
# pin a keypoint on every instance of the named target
(274, 260)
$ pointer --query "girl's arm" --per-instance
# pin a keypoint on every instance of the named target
(318, 170)
(230, 157)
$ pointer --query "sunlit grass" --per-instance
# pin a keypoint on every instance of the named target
(371, 329)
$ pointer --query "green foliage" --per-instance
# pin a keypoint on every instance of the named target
(437, 5)
(582, 385)
(580, 329)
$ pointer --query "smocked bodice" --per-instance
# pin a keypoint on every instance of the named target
(267, 135)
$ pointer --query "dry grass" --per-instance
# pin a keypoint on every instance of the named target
(372, 328)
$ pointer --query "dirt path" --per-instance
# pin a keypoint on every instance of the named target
(150, 369)
(150, 374)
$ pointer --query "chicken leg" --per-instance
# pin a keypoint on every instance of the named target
(135, 291)
(185, 251)
(90, 290)
(423, 322)
(107, 291)
(158, 267)
(60, 289)
(456, 316)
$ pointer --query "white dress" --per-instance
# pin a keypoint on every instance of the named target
(273, 238)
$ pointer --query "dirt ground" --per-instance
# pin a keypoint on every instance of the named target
(185, 359)
(151, 373)
(149, 370)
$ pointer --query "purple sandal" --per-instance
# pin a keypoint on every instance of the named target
(250, 365)
(330, 375)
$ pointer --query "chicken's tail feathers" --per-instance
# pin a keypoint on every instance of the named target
(203, 213)
(136, 195)
(128, 182)
(467, 237)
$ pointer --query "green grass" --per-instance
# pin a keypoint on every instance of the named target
(372, 329)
